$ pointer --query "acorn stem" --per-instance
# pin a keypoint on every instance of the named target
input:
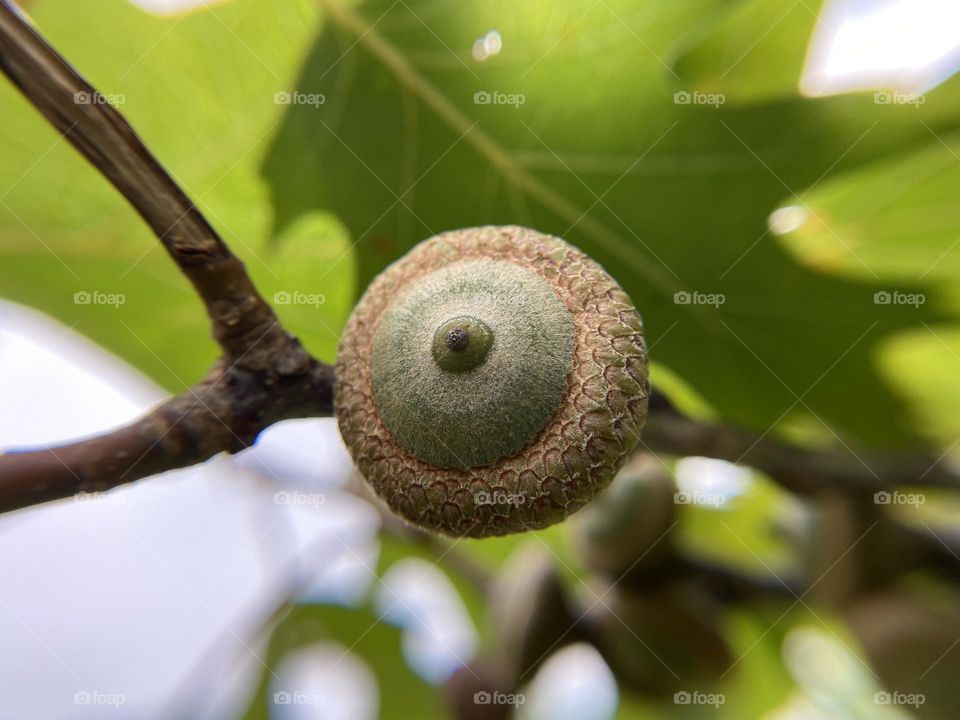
(458, 339)
(461, 344)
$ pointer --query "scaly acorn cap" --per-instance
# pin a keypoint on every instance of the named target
(493, 380)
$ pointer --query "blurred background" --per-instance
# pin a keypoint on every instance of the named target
(774, 182)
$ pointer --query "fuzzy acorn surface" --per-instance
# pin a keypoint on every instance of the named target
(493, 380)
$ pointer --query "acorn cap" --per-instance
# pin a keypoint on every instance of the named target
(492, 380)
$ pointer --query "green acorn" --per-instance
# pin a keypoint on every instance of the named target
(626, 531)
(492, 380)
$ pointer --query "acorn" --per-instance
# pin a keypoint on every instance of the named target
(529, 612)
(625, 533)
(660, 639)
(493, 380)
(908, 632)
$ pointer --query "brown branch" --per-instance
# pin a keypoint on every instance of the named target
(264, 374)
(799, 470)
(225, 412)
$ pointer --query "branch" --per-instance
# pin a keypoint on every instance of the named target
(224, 413)
(264, 374)
(801, 471)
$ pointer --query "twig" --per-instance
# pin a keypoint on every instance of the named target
(801, 471)
(264, 374)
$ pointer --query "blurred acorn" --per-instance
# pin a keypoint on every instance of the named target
(625, 530)
(530, 613)
(850, 545)
(661, 640)
(470, 690)
(911, 637)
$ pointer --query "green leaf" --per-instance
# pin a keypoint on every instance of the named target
(895, 225)
(897, 219)
(669, 197)
(307, 277)
(199, 88)
(402, 693)
(746, 533)
(759, 681)
(755, 52)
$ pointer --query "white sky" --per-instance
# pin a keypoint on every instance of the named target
(905, 45)
(156, 590)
